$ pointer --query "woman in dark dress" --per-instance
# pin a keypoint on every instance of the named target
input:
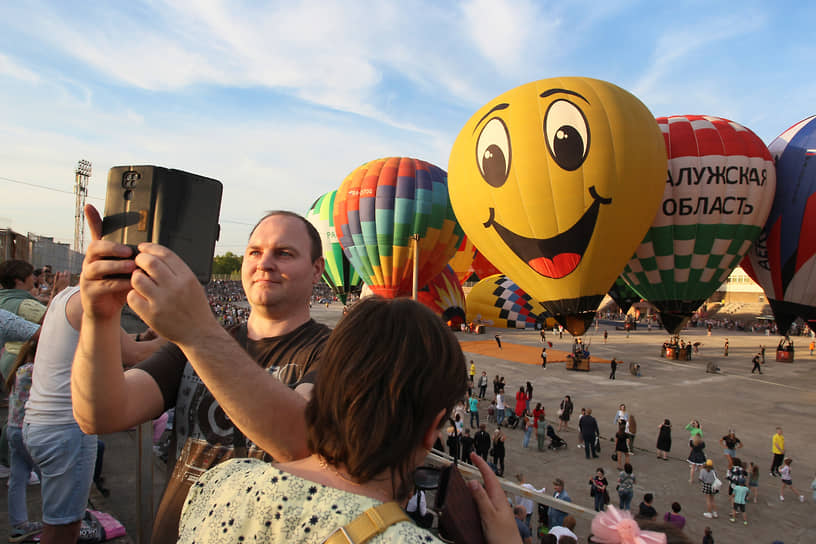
(621, 445)
(697, 456)
(498, 451)
(664, 440)
(566, 411)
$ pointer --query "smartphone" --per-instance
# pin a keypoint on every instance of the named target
(170, 207)
(459, 519)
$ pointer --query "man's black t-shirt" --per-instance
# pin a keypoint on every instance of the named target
(204, 435)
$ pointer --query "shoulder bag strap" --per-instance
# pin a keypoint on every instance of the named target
(369, 524)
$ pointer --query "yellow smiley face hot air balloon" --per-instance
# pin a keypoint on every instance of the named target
(556, 182)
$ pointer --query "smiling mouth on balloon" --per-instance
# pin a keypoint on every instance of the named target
(558, 256)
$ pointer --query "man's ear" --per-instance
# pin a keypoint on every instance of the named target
(318, 266)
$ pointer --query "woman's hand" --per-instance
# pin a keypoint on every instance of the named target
(498, 524)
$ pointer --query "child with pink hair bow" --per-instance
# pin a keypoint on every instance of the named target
(617, 527)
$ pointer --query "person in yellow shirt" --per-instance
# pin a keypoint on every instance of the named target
(778, 449)
(472, 371)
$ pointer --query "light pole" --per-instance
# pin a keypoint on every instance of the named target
(415, 282)
(82, 174)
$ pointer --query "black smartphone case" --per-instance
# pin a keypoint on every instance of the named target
(170, 207)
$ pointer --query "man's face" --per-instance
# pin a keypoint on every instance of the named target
(278, 272)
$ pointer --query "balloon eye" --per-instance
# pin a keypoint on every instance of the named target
(567, 134)
(493, 152)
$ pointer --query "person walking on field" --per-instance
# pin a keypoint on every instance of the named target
(664, 440)
(725, 348)
(787, 481)
(708, 477)
(778, 450)
(482, 385)
(498, 340)
(481, 442)
(544, 357)
(757, 360)
(613, 366)
(564, 413)
(621, 446)
(473, 408)
(588, 426)
(500, 407)
(696, 458)
(606, 335)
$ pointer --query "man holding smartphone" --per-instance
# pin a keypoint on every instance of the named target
(226, 386)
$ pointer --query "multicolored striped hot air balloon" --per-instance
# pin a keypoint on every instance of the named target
(444, 296)
(380, 206)
(338, 272)
(497, 301)
(718, 194)
(783, 259)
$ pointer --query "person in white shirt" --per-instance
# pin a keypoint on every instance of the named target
(526, 502)
(500, 407)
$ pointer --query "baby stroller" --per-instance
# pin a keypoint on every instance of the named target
(556, 442)
(512, 420)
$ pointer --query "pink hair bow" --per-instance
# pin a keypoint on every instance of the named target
(617, 527)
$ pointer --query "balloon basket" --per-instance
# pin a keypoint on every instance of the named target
(784, 356)
(578, 363)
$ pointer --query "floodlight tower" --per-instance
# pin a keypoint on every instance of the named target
(82, 173)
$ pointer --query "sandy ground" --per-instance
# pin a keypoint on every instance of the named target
(785, 394)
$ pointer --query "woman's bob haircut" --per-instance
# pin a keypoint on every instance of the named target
(388, 369)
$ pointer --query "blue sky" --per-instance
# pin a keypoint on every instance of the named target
(281, 100)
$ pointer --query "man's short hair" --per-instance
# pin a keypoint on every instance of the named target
(519, 511)
(314, 236)
(648, 498)
(558, 481)
(569, 522)
(14, 269)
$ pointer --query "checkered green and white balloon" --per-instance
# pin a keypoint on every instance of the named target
(719, 190)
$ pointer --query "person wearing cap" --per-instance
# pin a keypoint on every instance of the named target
(556, 517)
(707, 477)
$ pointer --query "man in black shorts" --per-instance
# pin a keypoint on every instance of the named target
(219, 381)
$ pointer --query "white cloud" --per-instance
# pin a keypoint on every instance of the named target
(510, 33)
(10, 68)
(668, 76)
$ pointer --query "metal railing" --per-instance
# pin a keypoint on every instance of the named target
(470, 472)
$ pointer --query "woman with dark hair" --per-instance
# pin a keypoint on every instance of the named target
(621, 445)
(529, 391)
(626, 484)
(521, 402)
(565, 411)
(388, 377)
(664, 440)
